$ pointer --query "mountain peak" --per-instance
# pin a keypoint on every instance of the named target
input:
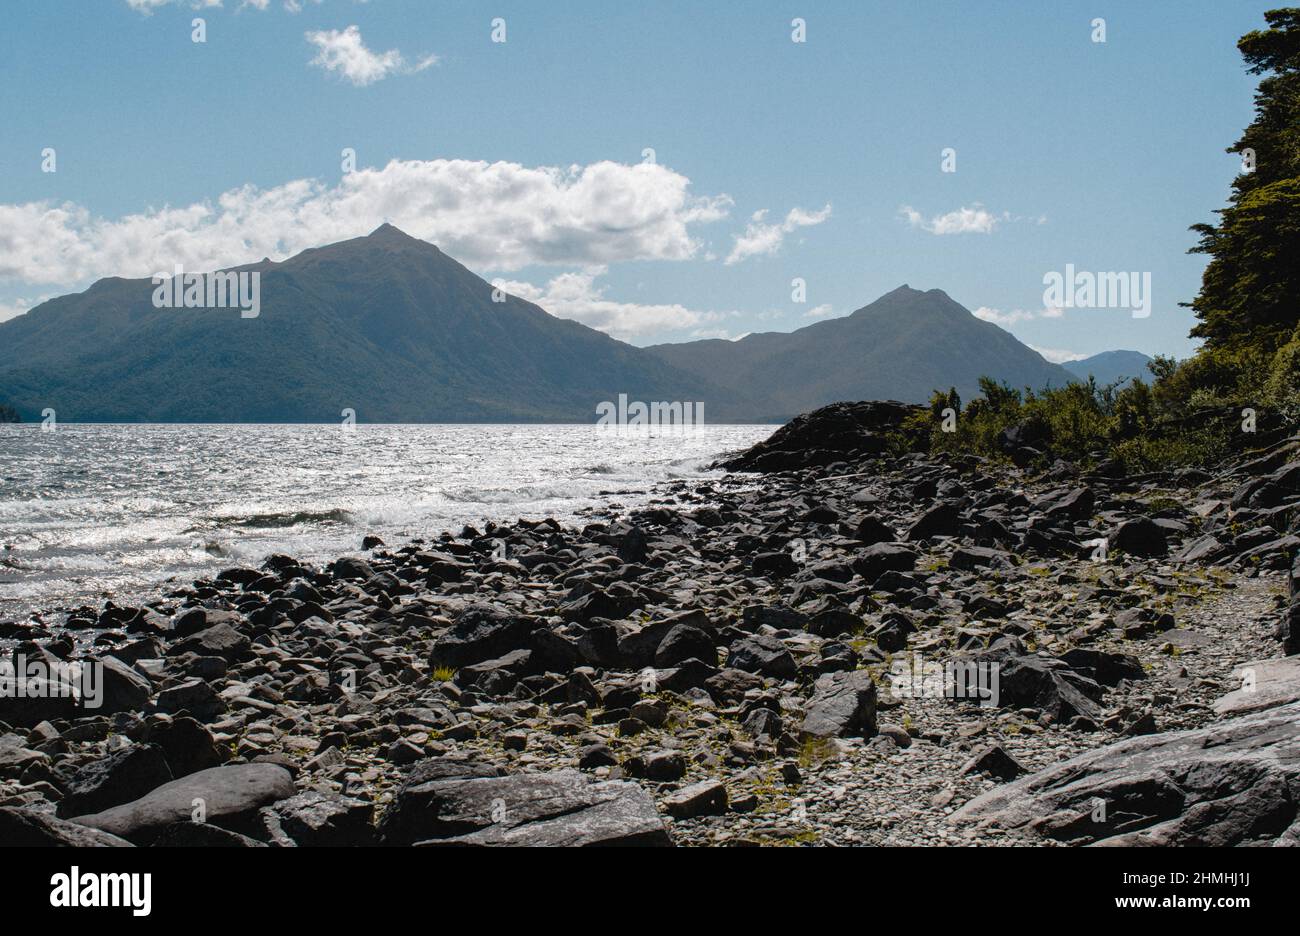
(388, 231)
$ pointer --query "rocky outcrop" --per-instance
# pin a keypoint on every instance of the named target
(1234, 783)
(836, 433)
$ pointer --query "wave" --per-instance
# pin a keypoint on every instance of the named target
(289, 518)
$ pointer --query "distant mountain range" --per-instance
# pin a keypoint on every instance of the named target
(903, 346)
(391, 327)
(1111, 367)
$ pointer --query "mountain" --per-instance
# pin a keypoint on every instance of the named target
(387, 325)
(1111, 367)
(903, 346)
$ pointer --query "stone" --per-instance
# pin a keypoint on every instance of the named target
(231, 798)
(685, 642)
(992, 759)
(843, 704)
(1231, 783)
(319, 819)
(120, 777)
(1140, 537)
(481, 632)
(706, 798)
(27, 828)
(762, 654)
(558, 807)
(876, 560)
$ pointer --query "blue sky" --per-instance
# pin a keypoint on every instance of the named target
(772, 159)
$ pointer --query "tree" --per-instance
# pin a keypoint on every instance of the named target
(1250, 292)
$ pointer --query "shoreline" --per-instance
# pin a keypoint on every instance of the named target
(713, 667)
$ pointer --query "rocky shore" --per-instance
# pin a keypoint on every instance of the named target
(839, 642)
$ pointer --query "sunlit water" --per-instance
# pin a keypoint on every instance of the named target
(88, 512)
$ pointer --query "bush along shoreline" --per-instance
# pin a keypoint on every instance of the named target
(759, 658)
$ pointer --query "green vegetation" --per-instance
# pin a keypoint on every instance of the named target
(8, 414)
(1191, 412)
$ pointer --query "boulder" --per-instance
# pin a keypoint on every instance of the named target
(843, 704)
(481, 632)
(118, 778)
(1231, 783)
(559, 807)
(229, 797)
(27, 828)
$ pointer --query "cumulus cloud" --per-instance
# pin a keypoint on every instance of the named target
(344, 52)
(17, 307)
(973, 220)
(820, 311)
(493, 216)
(1057, 355)
(762, 238)
(148, 6)
(1013, 316)
(576, 296)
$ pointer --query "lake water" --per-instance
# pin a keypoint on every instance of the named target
(92, 511)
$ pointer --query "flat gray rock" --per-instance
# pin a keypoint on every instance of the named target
(231, 797)
(27, 828)
(1233, 783)
(560, 807)
(1264, 684)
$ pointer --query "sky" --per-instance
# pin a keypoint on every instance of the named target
(662, 171)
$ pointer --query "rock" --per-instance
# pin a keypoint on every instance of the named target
(350, 567)
(118, 778)
(559, 807)
(871, 530)
(481, 632)
(664, 766)
(1264, 684)
(942, 519)
(193, 696)
(125, 690)
(970, 558)
(1076, 504)
(876, 560)
(1231, 783)
(1033, 681)
(839, 432)
(188, 746)
(843, 704)
(202, 835)
(685, 642)
(762, 654)
(231, 798)
(221, 640)
(27, 828)
(1141, 537)
(773, 565)
(319, 819)
(706, 798)
(992, 759)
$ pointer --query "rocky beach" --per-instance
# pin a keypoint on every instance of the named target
(764, 658)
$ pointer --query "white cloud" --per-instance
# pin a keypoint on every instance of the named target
(344, 52)
(17, 307)
(818, 311)
(576, 296)
(1058, 356)
(998, 317)
(493, 216)
(973, 220)
(762, 238)
(148, 6)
